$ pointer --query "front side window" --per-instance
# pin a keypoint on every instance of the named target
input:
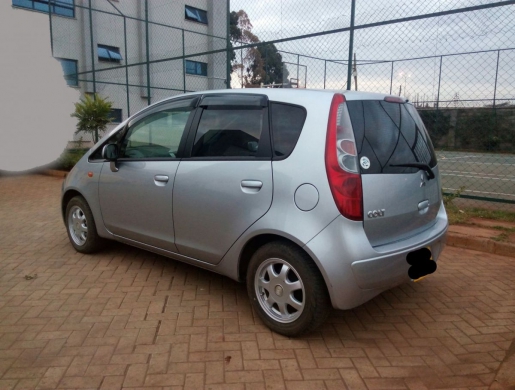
(70, 71)
(158, 135)
(195, 14)
(229, 132)
(196, 67)
(58, 7)
(108, 53)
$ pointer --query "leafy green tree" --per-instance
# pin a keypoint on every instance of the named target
(268, 66)
(93, 114)
(256, 65)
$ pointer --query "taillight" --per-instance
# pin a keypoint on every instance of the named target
(341, 161)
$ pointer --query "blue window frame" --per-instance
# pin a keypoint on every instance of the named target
(195, 14)
(116, 115)
(58, 7)
(195, 67)
(70, 70)
(108, 53)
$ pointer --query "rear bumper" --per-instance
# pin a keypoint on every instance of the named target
(355, 271)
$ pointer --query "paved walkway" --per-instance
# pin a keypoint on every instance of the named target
(128, 318)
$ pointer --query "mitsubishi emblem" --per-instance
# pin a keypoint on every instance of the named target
(423, 182)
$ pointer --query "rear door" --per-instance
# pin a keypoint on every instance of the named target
(224, 185)
(398, 201)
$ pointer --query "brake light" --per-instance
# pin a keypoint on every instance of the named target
(394, 99)
(341, 162)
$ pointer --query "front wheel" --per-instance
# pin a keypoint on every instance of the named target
(80, 226)
(287, 289)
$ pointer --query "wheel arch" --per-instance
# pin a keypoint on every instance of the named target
(67, 196)
(256, 242)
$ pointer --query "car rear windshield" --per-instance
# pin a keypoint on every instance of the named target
(389, 134)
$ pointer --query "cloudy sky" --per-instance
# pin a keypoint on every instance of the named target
(470, 76)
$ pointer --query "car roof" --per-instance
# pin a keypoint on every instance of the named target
(284, 93)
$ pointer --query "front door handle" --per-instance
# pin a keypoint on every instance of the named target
(251, 186)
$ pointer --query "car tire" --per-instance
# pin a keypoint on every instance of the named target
(286, 289)
(80, 226)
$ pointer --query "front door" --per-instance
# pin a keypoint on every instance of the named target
(225, 185)
(136, 196)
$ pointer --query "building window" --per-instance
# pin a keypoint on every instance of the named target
(70, 70)
(195, 67)
(195, 14)
(116, 115)
(58, 7)
(108, 53)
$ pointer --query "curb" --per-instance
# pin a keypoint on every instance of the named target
(480, 244)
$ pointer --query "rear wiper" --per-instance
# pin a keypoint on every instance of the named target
(424, 167)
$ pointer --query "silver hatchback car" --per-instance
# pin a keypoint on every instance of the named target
(315, 198)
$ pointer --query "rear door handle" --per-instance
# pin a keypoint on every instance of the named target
(251, 186)
(161, 178)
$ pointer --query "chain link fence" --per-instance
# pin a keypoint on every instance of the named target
(139, 52)
(453, 59)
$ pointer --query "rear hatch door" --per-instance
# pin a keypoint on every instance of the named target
(397, 161)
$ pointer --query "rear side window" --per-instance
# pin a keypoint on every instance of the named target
(229, 132)
(390, 134)
(287, 123)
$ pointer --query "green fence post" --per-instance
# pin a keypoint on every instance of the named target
(495, 102)
(351, 44)
(298, 63)
(126, 67)
(228, 45)
(391, 79)
(183, 61)
(325, 70)
(149, 99)
(438, 95)
(92, 59)
(51, 30)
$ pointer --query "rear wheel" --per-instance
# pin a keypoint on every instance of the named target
(80, 226)
(286, 289)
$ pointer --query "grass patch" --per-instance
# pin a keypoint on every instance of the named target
(463, 215)
(501, 237)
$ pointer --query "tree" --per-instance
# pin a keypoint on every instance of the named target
(93, 114)
(268, 66)
(258, 64)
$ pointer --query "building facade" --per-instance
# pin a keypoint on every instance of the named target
(137, 52)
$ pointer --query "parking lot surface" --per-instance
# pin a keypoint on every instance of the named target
(126, 318)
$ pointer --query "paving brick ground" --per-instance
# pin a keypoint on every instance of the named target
(128, 318)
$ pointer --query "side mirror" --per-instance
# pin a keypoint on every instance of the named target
(110, 152)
